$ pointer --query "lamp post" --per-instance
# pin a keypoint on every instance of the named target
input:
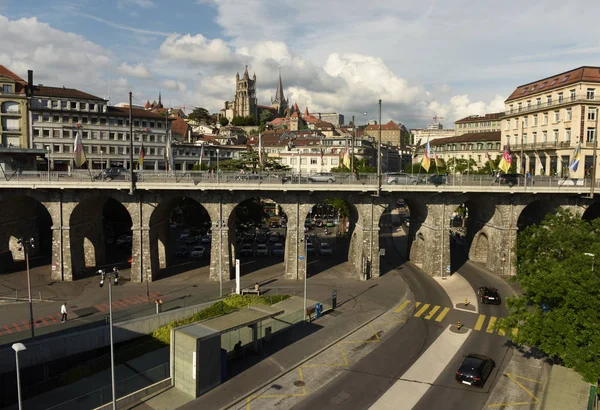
(218, 165)
(101, 160)
(379, 153)
(111, 276)
(593, 256)
(594, 156)
(18, 347)
(305, 240)
(25, 245)
(48, 163)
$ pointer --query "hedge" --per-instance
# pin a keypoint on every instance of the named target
(222, 307)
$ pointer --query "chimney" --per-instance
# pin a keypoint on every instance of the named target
(30, 82)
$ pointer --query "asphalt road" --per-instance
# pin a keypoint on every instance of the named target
(371, 377)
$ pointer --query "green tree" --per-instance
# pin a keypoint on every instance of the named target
(361, 165)
(243, 121)
(223, 121)
(265, 116)
(559, 310)
(201, 116)
(249, 161)
(200, 167)
(340, 206)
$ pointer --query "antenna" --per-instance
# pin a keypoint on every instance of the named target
(109, 82)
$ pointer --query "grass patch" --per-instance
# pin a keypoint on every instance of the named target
(222, 307)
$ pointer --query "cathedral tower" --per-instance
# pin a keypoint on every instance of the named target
(279, 102)
(245, 104)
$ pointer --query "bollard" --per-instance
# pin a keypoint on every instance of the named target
(458, 325)
(466, 302)
(158, 306)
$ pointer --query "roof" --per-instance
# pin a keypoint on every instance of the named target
(486, 117)
(390, 126)
(279, 97)
(63, 92)
(472, 137)
(581, 74)
(179, 126)
(135, 112)
(6, 72)
(266, 107)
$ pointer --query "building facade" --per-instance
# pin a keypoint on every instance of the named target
(244, 103)
(548, 118)
(419, 136)
(390, 133)
(13, 110)
(478, 123)
(279, 102)
(337, 120)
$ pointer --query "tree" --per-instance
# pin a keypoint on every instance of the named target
(200, 167)
(339, 205)
(223, 121)
(559, 310)
(249, 161)
(201, 116)
(360, 165)
(265, 116)
(243, 121)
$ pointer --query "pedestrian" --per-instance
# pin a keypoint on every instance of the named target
(63, 311)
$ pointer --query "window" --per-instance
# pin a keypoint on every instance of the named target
(45, 117)
(554, 81)
(103, 121)
(302, 161)
(560, 98)
(93, 121)
(507, 126)
(334, 161)
(592, 113)
(549, 100)
(83, 106)
(534, 137)
(545, 119)
(529, 104)
(544, 136)
(524, 139)
(7, 88)
(75, 120)
(84, 120)
(568, 134)
(555, 134)
(538, 101)
(293, 161)
(324, 161)
(516, 126)
(556, 116)
(569, 115)
(92, 107)
(565, 78)
(65, 119)
(46, 133)
(56, 148)
(84, 134)
(510, 108)
(144, 124)
(73, 105)
(120, 123)
(159, 125)
(136, 123)
(516, 139)
(36, 132)
(313, 161)
(525, 121)
(64, 105)
(67, 149)
(590, 93)
(572, 95)
(55, 118)
(519, 107)
(66, 134)
(54, 103)
(535, 120)
(591, 134)
(56, 133)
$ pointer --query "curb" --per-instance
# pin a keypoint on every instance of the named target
(306, 359)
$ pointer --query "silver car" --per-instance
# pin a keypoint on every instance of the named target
(322, 177)
(401, 178)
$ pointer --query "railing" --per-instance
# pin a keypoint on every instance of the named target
(123, 387)
(558, 103)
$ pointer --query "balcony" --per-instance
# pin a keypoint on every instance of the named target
(554, 104)
(543, 145)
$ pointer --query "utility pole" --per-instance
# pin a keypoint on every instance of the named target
(379, 153)
(594, 156)
(131, 176)
(353, 139)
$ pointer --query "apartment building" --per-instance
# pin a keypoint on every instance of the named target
(13, 110)
(420, 135)
(548, 118)
(478, 123)
(391, 133)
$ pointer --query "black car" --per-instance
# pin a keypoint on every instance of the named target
(513, 179)
(261, 238)
(438, 179)
(108, 174)
(489, 295)
(475, 370)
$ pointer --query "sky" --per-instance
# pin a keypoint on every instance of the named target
(445, 58)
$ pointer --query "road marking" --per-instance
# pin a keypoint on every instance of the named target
(26, 324)
(491, 323)
(52, 318)
(131, 301)
(417, 304)
(375, 333)
(122, 303)
(402, 306)
(8, 329)
(422, 310)
(43, 320)
(100, 308)
(249, 399)
(479, 323)
(442, 315)
(514, 378)
(432, 312)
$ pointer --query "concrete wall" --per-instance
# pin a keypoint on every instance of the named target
(138, 395)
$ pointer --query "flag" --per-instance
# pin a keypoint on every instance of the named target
(575, 161)
(490, 161)
(201, 156)
(439, 162)
(260, 151)
(78, 153)
(426, 161)
(506, 160)
(141, 157)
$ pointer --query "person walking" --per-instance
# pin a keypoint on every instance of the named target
(63, 311)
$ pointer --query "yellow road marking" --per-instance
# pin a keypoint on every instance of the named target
(514, 378)
(491, 323)
(432, 312)
(402, 306)
(375, 333)
(479, 323)
(334, 364)
(273, 396)
(417, 304)
(422, 310)
(442, 315)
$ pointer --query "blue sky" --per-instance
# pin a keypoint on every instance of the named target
(450, 58)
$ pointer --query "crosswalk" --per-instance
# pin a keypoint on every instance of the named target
(437, 313)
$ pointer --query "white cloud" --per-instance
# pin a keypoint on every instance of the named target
(196, 49)
(461, 106)
(174, 85)
(139, 70)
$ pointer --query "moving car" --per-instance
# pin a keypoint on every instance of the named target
(246, 250)
(261, 250)
(322, 177)
(438, 179)
(273, 224)
(325, 249)
(310, 249)
(278, 250)
(198, 252)
(513, 179)
(181, 252)
(475, 370)
(489, 295)
(401, 178)
(108, 174)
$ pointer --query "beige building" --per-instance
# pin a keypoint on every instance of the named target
(13, 110)
(390, 133)
(419, 136)
(547, 118)
(478, 123)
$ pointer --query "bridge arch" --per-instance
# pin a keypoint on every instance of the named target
(480, 246)
(592, 212)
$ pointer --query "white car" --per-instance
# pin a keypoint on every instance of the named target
(198, 252)
(278, 250)
(325, 249)
(205, 239)
(261, 250)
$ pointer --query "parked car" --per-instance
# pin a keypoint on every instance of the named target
(261, 238)
(246, 250)
(205, 239)
(274, 237)
(401, 178)
(475, 370)
(184, 235)
(278, 250)
(182, 252)
(489, 295)
(438, 179)
(310, 249)
(513, 179)
(192, 240)
(110, 173)
(325, 249)
(283, 224)
(273, 224)
(198, 252)
(318, 223)
(322, 177)
(261, 250)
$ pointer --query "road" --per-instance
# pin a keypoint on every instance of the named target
(371, 377)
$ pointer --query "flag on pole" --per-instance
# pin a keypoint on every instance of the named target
(506, 161)
(426, 161)
(78, 153)
(141, 157)
(575, 161)
(490, 161)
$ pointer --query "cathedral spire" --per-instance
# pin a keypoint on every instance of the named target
(279, 97)
(246, 75)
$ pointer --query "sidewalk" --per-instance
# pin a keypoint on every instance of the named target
(565, 390)
(356, 306)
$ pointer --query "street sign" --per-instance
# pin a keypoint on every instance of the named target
(300, 258)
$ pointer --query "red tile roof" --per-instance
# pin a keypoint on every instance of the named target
(486, 117)
(179, 126)
(135, 112)
(390, 126)
(6, 72)
(63, 92)
(581, 74)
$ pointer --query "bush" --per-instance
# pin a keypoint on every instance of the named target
(222, 307)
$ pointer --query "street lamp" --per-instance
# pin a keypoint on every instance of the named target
(101, 160)
(110, 277)
(593, 258)
(18, 347)
(218, 165)
(305, 240)
(25, 245)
